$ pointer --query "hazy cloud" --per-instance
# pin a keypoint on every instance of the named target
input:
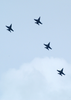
(37, 80)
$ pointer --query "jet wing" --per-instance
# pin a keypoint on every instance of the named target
(39, 18)
(45, 44)
(7, 26)
(58, 70)
(63, 73)
(50, 47)
(12, 29)
(49, 43)
(35, 19)
(62, 69)
(40, 23)
(11, 25)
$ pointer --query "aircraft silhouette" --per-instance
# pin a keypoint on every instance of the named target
(60, 72)
(48, 46)
(9, 28)
(38, 21)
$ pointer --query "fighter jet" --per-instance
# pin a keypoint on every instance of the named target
(48, 46)
(9, 28)
(60, 72)
(38, 21)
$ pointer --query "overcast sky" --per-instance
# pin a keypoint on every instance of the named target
(27, 70)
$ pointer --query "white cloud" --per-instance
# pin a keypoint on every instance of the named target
(37, 80)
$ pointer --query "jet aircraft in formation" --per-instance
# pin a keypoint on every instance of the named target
(9, 28)
(47, 46)
(38, 21)
(60, 72)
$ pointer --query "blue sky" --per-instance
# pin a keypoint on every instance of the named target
(25, 44)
